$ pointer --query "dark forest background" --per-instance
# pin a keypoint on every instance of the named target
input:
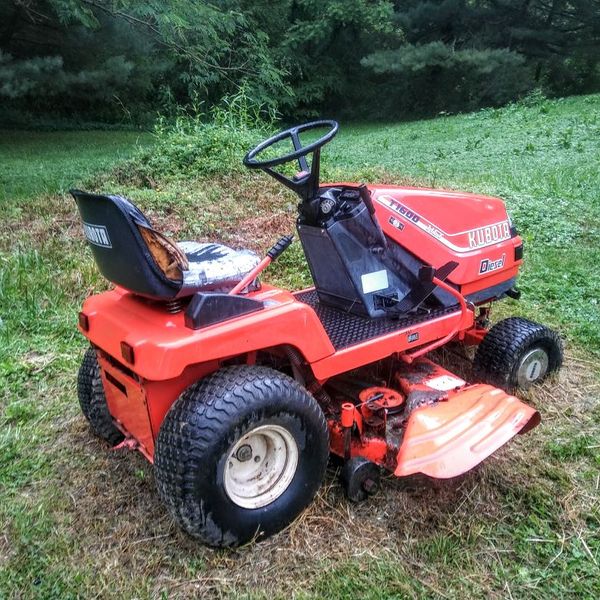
(121, 62)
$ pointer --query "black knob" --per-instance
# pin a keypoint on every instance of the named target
(280, 246)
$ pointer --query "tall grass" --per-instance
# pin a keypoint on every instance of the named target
(197, 144)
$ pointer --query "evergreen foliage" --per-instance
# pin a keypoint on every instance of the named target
(123, 60)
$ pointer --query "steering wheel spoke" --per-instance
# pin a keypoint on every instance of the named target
(306, 185)
(298, 146)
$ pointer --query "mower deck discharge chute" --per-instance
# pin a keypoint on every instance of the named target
(238, 391)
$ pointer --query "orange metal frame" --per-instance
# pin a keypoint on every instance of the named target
(148, 357)
(168, 356)
(464, 425)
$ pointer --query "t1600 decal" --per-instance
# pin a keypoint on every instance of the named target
(463, 241)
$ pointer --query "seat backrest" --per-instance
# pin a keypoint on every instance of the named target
(126, 248)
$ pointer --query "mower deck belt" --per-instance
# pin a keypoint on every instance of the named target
(345, 329)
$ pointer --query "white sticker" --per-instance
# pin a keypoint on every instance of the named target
(443, 383)
(375, 281)
(97, 235)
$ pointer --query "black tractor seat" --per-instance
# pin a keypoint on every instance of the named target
(133, 255)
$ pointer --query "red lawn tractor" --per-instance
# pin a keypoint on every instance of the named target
(238, 391)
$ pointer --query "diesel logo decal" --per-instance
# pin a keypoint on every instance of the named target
(97, 235)
(488, 265)
(484, 236)
(412, 337)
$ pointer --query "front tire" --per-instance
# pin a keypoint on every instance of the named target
(240, 454)
(517, 353)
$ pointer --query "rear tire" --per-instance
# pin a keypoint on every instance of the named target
(92, 400)
(240, 454)
(517, 353)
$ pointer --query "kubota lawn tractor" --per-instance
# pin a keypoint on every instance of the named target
(238, 391)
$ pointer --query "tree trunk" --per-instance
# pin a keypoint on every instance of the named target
(11, 26)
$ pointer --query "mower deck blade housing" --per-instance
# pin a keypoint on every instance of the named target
(450, 438)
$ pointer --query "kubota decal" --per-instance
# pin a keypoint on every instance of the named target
(472, 239)
(97, 235)
(484, 236)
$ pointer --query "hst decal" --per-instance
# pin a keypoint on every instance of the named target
(488, 265)
(97, 235)
(396, 223)
(463, 241)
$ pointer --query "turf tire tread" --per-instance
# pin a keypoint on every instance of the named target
(92, 399)
(501, 349)
(203, 414)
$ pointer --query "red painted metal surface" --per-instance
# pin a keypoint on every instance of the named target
(444, 226)
(127, 403)
(381, 347)
(409, 357)
(250, 277)
(439, 426)
(164, 346)
(139, 406)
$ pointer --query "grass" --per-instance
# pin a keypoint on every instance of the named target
(543, 160)
(77, 520)
(38, 163)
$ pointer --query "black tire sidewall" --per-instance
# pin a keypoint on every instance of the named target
(500, 354)
(92, 400)
(198, 434)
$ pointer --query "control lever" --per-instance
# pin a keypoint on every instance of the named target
(274, 253)
(365, 196)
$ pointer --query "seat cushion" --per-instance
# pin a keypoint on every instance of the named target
(214, 267)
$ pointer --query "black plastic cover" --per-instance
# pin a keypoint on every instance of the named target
(347, 272)
(209, 309)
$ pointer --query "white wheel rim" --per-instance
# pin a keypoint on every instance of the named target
(260, 466)
(533, 367)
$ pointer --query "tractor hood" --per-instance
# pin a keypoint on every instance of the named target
(438, 226)
(461, 222)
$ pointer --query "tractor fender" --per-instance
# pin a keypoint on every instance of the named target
(162, 346)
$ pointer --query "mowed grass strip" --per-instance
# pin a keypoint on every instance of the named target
(79, 520)
(542, 157)
(34, 163)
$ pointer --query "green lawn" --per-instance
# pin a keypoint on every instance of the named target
(78, 520)
(543, 160)
(37, 163)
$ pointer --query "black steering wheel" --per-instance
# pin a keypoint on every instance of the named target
(306, 182)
